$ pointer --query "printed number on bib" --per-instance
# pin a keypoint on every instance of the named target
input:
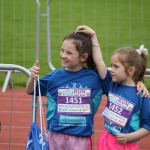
(115, 108)
(74, 100)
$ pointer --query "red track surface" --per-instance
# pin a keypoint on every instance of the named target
(16, 116)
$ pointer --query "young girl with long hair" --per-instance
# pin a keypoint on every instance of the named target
(126, 115)
(73, 94)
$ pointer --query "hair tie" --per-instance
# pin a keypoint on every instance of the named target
(142, 49)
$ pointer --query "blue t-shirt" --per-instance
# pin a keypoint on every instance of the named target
(140, 115)
(73, 124)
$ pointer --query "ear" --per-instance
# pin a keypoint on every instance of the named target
(131, 71)
(84, 57)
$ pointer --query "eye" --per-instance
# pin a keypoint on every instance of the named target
(69, 53)
(115, 66)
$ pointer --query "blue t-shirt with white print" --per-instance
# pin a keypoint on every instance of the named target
(138, 118)
(73, 124)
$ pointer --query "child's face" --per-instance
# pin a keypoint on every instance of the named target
(117, 71)
(70, 58)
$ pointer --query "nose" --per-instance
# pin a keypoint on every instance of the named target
(63, 55)
(111, 69)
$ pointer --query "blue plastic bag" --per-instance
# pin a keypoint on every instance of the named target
(36, 140)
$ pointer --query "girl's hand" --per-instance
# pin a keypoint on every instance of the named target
(85, 29)
(122, 138)
(35, 70)
(141, 87)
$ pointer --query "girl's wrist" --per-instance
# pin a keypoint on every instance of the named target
(93, 34)
(96, 45)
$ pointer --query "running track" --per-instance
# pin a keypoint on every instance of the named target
(15, 118)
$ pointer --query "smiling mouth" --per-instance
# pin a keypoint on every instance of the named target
(112, 76)
(64, 61)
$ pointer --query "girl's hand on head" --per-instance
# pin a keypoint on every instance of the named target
(35, 70)
(122, 138)
(85, 29)
(141, 87)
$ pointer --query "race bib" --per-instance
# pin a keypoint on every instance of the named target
(117, 110)
(74, 101)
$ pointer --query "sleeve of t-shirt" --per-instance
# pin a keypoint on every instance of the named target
(43, 84)
(145, 113)
(106, 82)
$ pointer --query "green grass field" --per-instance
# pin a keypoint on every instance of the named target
(117, 23)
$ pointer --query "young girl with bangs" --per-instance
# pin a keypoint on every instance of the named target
(73, 94)
(126, 115)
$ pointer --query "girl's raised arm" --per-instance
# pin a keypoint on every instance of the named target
(96, 51)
